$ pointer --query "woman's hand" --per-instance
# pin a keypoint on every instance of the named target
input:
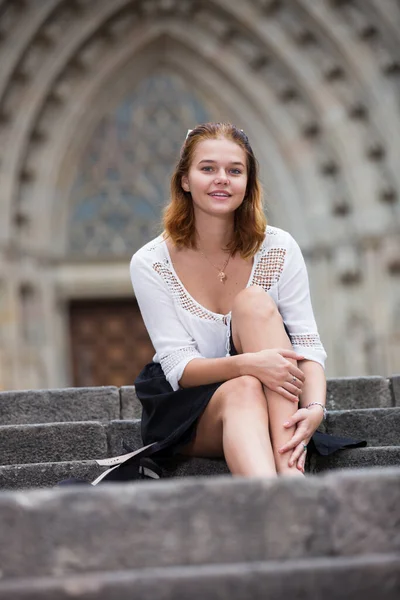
(307, 421)
(276, 372)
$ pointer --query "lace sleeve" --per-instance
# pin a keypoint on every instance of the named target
(174, 346)
(295, 306)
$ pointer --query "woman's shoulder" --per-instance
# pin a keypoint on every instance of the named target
(274, 236)
(151, 251)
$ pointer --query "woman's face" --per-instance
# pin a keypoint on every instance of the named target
(217, 177)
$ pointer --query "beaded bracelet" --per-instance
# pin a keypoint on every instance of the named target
(319, 404)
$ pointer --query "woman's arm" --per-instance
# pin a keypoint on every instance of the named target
(211, 370)
(270, 366)
(314, 388)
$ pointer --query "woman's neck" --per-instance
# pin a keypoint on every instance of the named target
(213, 234)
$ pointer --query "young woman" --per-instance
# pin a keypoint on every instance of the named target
(239, 366)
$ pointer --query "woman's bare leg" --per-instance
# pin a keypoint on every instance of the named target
(257, 325)
(235, 425)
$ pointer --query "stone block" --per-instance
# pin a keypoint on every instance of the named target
(369, 577)
(193, 467)
(354, 458)
(357, 458)
(198, 522)
(59, 405)
(124, 432)
(130, 404)
(378, 426)
(358, 392)
(52, 442)
(395, 385)
(41, 475)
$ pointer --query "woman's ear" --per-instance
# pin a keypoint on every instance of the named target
(185, 183)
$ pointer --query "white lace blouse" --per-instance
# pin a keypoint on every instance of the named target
(181, 329)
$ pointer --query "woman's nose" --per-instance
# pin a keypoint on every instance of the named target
(221, 178)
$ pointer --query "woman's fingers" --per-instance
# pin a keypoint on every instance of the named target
(297, 453)
(292, 388)
(295, 441)
(290, 354)
(296, 372)
(296, 382)
(301, 463)
(286, 394)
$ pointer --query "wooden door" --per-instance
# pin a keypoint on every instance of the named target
(109, 342)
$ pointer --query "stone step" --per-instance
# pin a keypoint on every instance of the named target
(31, 475)
(60, 442)
(348, 393)
(384, 456)
(54, 442)
(379, 426)
(109, 403)
(59, 405)
(48, 474)
(354, 458)
(198, 521)
(369, 576)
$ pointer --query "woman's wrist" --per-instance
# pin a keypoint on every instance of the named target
(317, 406)
(244, 363)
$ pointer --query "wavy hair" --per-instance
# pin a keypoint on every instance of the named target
(249, 218)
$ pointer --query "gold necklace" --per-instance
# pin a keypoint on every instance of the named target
(221, 272)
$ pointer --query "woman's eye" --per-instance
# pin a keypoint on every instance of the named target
(209, 169)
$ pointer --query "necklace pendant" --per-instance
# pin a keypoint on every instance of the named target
(222, 277)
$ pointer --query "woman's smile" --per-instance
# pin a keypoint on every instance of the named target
(218, 194)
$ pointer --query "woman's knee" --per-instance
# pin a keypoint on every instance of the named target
(254, 302)
(240, 390)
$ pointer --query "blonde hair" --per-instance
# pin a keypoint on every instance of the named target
(250, 221)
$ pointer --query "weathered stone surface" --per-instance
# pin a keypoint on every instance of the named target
(383, 456)
(192, 467)
(354, 458)
(130, 404)
(395, 384)
(198, 522)
(361, 578)
(378, 426)
(18, 477)
(358, 392)
(48, 474)
(52, 442)
(52, 406)
(124, 432)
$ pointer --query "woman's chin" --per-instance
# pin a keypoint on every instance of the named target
(218, 208)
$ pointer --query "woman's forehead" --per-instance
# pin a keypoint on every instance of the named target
(219, 149)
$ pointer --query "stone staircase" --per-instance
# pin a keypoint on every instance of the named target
(336, 535)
